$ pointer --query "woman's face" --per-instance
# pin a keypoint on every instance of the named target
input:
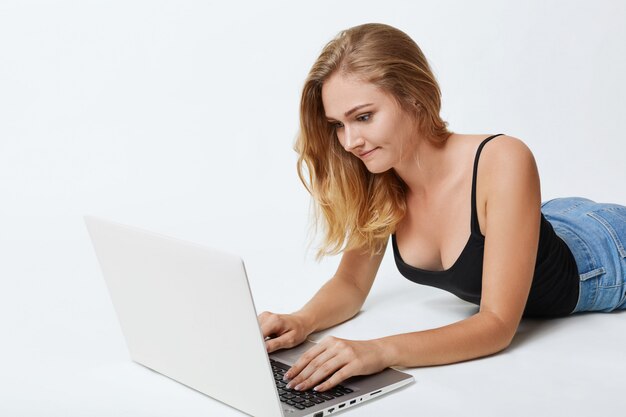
(369, 122)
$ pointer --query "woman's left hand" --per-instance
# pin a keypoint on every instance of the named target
(335, 359)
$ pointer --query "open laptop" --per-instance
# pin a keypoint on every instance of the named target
(186, 311)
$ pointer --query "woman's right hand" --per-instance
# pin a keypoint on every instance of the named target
(282, 331)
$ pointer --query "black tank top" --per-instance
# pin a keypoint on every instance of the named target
(554, 290)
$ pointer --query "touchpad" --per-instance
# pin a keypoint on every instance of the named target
(290, 356)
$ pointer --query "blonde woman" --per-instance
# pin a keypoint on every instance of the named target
(463, 213)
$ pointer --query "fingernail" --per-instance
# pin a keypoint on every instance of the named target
(289, 385)
(298, 387)
(286, 377)
(316, 388)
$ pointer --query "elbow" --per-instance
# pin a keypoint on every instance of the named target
(499, 344)
(501, 331)
(504, 344)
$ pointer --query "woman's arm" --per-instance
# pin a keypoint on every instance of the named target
(509, 182)
(513, 202)
(337, 301)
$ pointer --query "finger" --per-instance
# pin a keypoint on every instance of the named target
(338, 377)
(324, 371)
(310, 368)
(271, 325)
(304, 360)
(284, 341)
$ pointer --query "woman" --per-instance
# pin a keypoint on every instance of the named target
(463, 212)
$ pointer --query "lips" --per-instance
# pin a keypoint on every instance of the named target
(367, 153)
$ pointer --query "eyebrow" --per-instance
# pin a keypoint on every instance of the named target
(352, 110)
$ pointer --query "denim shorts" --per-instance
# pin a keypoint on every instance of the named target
(596, 235)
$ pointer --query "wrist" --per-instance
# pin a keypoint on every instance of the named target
(306, 321)
(388, 351)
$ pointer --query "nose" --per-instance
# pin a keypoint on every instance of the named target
(352, 139)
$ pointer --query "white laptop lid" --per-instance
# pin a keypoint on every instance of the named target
(185, 289)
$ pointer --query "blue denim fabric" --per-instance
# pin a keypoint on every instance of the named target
(596, 235)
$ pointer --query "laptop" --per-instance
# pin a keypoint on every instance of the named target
(186, 312)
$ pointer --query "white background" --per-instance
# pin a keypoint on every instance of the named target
(180, 117)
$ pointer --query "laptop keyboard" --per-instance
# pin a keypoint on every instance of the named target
(302, 399)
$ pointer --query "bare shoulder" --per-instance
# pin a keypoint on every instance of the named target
(505, 157)
(505, 146)
(501, 148)
(508, 175)
(508, 180)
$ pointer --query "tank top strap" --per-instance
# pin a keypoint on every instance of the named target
(475, 226)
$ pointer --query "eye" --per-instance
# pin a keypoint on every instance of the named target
(364, 117)
(336, 125)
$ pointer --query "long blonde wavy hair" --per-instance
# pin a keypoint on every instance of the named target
(360, 209)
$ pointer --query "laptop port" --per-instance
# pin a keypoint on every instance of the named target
(342, 405)
(352, 402)
(320, 414)
(330, 410)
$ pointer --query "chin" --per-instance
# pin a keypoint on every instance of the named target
(377, 168)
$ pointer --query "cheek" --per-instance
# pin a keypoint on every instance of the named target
(339, 137)
(385, 132)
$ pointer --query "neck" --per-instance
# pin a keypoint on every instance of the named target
(424, 168)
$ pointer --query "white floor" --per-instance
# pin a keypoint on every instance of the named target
(63, 353)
